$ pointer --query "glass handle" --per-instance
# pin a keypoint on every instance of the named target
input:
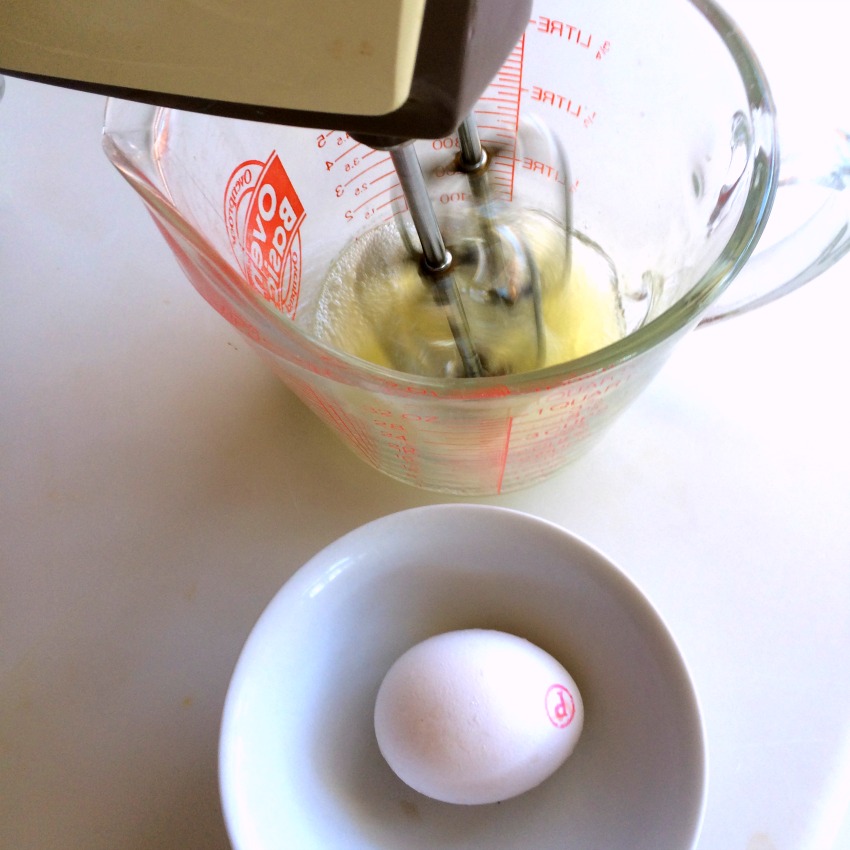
(807, 232)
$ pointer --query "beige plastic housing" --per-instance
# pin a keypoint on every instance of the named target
(343, 56)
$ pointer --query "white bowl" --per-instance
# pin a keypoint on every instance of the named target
(300, 768)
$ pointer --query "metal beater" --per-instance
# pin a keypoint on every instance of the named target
(509, 282)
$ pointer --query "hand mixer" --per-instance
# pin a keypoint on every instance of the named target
(386, 71)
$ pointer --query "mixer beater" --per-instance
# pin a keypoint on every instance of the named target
(437, 262)
(505, 266)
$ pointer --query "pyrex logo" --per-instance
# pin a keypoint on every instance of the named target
(263, 214)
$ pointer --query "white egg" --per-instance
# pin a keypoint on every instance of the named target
(477, 716)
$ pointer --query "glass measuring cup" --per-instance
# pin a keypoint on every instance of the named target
(673, 168)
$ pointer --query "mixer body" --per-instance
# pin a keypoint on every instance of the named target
(396, 69)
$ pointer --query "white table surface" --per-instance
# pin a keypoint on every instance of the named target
(157, 486)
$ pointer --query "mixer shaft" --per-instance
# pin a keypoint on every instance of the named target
(492, 287)
(474, 162)
(437, 261)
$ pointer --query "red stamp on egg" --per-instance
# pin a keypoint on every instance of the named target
(560, 706)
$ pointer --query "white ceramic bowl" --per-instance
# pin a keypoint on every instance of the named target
(299, 765)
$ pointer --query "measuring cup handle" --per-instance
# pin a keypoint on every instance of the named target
(807, 232)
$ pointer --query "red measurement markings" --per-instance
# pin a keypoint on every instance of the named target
(346, 152)
(562, 103)
(479, 450)
(498, 120)
(367, 178)
(389, 171)
(374, 204)
(350, 428)
(503, 459)
(547, 435)
(331, 142)
(561, 422)
(398, 434)
(550, 172)
(571, 34)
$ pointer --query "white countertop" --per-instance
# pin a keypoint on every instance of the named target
(159, 485)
